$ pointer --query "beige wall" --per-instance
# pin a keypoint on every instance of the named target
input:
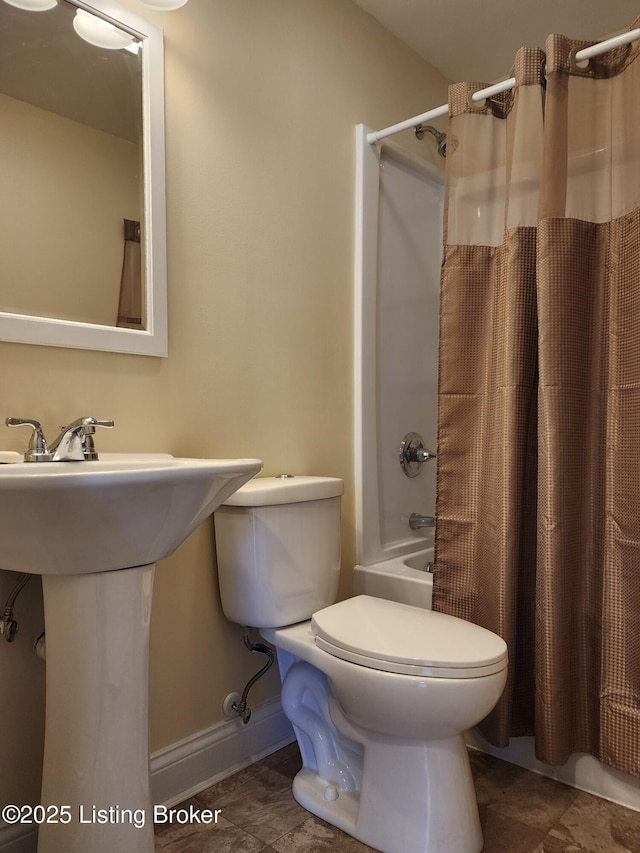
(72, 185)
(262, 97)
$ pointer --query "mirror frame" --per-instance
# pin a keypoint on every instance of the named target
(46, 331)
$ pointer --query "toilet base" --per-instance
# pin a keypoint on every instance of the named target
(395, 793)
(415, 798)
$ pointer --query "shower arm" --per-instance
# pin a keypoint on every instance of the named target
(440, 137)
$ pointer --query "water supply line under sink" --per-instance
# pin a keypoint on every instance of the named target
(8, 625)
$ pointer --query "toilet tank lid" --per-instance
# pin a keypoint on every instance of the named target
(285, 489)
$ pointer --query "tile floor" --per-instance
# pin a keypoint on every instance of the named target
(520, 812)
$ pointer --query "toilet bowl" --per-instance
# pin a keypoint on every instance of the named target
(379, 692)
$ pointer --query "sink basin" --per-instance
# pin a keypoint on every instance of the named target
(121, 511)
(94, 530)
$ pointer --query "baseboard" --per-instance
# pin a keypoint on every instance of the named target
(581, 771)
(183, 769)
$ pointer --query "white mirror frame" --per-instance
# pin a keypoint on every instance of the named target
(153, 340)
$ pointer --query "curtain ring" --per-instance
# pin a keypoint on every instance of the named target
(582, 65)
(476, 106)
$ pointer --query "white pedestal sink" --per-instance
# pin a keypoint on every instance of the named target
(94, 530)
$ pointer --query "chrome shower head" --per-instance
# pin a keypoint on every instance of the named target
(441, 138)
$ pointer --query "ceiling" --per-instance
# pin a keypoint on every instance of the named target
(476, 40)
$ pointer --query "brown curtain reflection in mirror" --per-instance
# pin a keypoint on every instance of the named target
(538, 504)
(130, 303)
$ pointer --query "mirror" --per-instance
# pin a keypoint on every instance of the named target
(82, 220)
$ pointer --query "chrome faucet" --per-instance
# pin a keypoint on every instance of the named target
(416, 521)
(75, 442)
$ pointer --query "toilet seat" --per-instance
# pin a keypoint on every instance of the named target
(398, 638)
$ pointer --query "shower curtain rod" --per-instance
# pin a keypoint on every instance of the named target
(504, 86)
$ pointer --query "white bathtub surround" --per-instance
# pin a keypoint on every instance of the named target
(397, 271)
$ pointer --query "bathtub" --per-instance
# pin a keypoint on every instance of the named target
(407, 579)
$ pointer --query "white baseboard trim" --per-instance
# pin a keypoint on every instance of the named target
(581, 771)
(191, 765)
(183, 769)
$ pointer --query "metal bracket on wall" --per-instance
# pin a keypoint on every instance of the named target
(413, 454)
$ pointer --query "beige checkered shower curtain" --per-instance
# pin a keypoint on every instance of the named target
(538, 505)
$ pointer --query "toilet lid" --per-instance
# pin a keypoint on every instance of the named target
(399, 638)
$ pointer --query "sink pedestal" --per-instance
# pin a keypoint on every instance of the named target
(96, 756)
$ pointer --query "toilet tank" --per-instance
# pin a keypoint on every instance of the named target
(278, 549)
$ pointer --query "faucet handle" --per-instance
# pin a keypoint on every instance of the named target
(88, 425)
(88, 429)
(37, 450)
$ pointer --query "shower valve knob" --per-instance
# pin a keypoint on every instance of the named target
(421, 455)
(413, 454)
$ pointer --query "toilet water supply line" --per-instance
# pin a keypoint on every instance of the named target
(241, 708)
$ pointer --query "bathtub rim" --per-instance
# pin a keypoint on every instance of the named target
(394, 580)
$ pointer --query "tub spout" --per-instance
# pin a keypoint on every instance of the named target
(416, 521)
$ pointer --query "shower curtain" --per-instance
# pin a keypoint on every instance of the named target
(130, 298)
(538, 497)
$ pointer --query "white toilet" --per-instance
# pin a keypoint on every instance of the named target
(379, 693)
